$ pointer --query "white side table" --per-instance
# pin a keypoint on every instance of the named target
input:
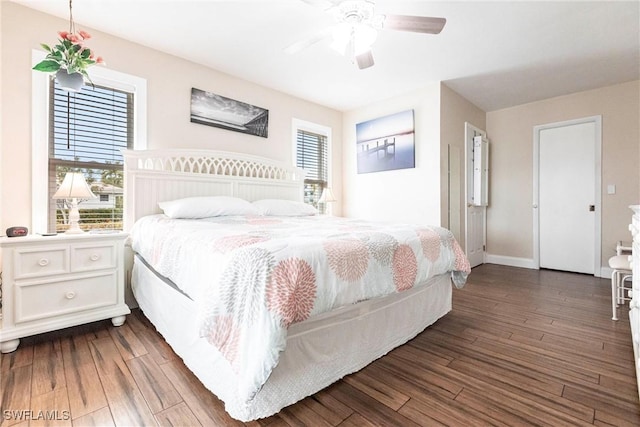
(634, 305)
(53, 282)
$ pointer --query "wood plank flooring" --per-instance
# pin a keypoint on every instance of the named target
(521, 347)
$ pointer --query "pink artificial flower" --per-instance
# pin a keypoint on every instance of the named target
(99, 60)
(84, 34)
(73, 38)
(63, 34)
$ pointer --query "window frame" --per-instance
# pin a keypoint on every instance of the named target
(303, 125)
(40, 128)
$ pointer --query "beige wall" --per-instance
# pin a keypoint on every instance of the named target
(1, 121)
(510, 215)
(419, 195)
(454, 112)
(408, 195)
(169, 83)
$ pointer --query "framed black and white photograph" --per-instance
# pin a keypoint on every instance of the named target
(215, 110)
(386, 143)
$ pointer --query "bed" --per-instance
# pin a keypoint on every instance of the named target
(259, 352)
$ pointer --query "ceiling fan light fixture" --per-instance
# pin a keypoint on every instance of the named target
(363, 38)
(341, 34)
(353, 39)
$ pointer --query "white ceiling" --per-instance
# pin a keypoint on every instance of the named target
(495, 54)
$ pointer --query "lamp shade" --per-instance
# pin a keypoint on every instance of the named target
(74, 186)
(327, 196)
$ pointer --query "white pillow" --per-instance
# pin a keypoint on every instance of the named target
(204, 207)
(279, 207)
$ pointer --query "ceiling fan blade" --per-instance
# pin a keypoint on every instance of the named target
(306, 42)
(416, 24)
(364, 60)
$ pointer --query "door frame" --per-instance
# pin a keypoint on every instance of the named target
(469, 132)
(597, 121)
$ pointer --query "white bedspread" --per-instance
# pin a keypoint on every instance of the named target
(252, 277)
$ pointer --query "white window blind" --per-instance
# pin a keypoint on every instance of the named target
(88, 130)
(311, 155)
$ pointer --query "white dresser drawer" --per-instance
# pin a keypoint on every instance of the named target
(53, 282)
(634, 305)
(634, 319)
(93, 257)
(41, 261)
(41, 299)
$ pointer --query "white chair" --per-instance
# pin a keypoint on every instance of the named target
(621, 274)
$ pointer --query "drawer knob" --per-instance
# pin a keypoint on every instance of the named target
(43, 262)
(70, 295)
(94, 257)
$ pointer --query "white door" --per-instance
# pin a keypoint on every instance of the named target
(568, 197)
(475, 234)
(475, 225)
(456, 191)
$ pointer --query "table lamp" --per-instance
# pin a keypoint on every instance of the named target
(327, 197)
(74, 187)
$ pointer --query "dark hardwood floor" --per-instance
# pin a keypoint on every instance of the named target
(521, 347)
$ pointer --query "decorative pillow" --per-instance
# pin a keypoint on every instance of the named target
(279, 207)
(204, 207)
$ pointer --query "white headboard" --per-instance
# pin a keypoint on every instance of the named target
(152, 176)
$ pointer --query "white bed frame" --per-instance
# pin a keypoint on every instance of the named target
(153, 176)
(320, 350)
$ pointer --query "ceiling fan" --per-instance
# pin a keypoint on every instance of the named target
(357, 27)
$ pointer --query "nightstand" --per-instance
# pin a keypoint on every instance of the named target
(53, 282)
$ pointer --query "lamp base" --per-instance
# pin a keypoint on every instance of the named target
(74, 231)
(74, 218)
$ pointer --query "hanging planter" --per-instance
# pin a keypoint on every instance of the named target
(69, 58)
(71, 82)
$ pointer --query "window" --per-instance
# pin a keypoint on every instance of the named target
(87, 131)
(102, 121)
(312, 155)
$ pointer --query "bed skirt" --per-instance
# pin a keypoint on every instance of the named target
(319, 351)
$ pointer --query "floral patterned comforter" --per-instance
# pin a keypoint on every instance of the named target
(252, 277)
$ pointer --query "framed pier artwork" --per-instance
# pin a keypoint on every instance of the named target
(386, 143)
(215, 110)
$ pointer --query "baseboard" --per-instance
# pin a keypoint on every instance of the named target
(605, 272)
(509, 260)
